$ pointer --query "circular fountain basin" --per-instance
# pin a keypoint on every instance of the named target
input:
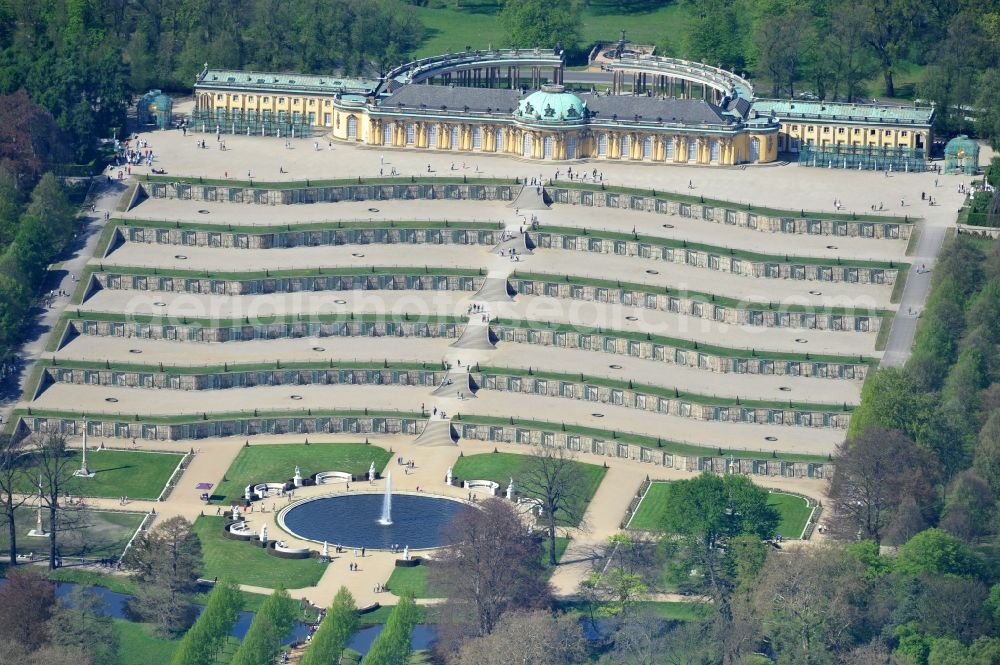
(352, 520)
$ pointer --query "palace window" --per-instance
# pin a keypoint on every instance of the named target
(856, 131)
(624, 145)
(312, 102)
(432, 136)
(498, 140)
(871, 132)
(326, 119)
(267, 99)
(411, 134)
(903, 133)
(352, 127)
(840, 130)
(312, 117)
(387, 134)
(547, 144)
(477, 138)
(670, 149)
(692, 150)
(826, 130)
(602, 145)
(219, 97)
(647, 148)
(570, 147)
(456, 137)
(326, 103)
(236, 97)
(281, 100)
(297, 101)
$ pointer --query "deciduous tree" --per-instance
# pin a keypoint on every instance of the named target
(493, 565)
(874, 473)
(552, 475)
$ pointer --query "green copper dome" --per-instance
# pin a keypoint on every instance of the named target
(551, 104)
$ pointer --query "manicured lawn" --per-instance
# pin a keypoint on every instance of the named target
(793, 511)
(475, 24)
(139, 645)
(246, 564)
(258, 464)
(131, 473)
(676, 611)
(409, 580)
(90, 534)
(561, 544)
(501, 467)
(652, 510)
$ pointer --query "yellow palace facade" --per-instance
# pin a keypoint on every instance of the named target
(513, 102)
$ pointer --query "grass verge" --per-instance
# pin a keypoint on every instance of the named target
(793, 511)
(276, 463)
(245, 563)
(501, 467)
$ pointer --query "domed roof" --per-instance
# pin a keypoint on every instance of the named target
(551, 104)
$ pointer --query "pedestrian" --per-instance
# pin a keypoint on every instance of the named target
(362, 552)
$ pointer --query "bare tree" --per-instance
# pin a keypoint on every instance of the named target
(493, 565)
(874, 473)
(166, 562)
(13, 482)
(809, 601)
(54, 465)
(552, 475)
(527, 638)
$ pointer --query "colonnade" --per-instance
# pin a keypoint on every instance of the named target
(497, 77)
(617, 145)
(661, 85)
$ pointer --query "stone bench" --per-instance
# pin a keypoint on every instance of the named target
(327, 477)
(489, 485)
(275, 548)
(261, 490)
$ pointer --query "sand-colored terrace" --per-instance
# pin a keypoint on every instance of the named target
(532, 311)
(653, 272)
(781, 186)
(93, 400)
(342, 350)
(616, 220)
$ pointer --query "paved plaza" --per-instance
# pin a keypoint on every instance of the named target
(476, 317)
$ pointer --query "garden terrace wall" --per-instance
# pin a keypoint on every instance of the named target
(746, 314)
(330, 194)
(730, 215)
(221, 380)
(310, 238)
(638, 398)
(110, 427)
(514, 434)
(193, 332)
(238, 287)
(248, 424)
(644, 248)
(744, 363)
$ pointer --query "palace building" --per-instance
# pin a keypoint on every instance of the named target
(513, 102)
